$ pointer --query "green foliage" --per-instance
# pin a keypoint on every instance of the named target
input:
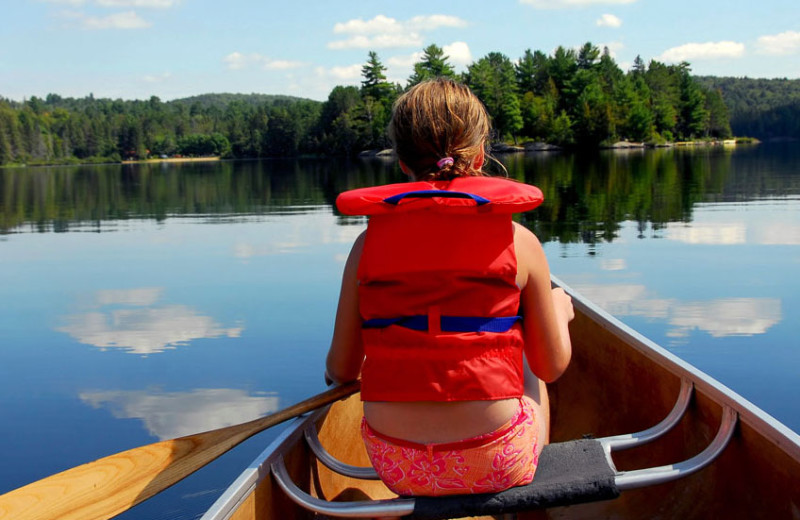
(493, 79)
(761, 108)
(201, 145)
(432, 65)
(573, 97)
(374, 84)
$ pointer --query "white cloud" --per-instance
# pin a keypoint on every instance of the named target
(176, 414)
(613, 48)
(780, 44)
(155, 4)
(433, 22)
(238, 61)
(146, 4)
(560, 4)
(385, 25)
(345, 73)
(384, 32)
(124, 20)
(379, 24)
(382, 41)
(405, 61)
(703, 51)
(609, 20)
(280, 64)
(66, 2)
(458, 53)
(157, 78)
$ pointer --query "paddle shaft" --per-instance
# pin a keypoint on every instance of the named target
(106, 487)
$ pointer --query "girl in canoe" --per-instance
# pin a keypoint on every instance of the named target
(442, 298)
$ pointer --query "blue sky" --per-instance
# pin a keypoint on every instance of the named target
(133, 49)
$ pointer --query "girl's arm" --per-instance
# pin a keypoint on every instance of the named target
(546, 312)
(347, 352)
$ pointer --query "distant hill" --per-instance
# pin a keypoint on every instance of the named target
(223, 99)
(762, 108)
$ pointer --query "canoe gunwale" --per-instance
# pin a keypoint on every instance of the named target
(238, 491)
(749, 414)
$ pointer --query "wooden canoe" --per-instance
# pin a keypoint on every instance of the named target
(618, 383)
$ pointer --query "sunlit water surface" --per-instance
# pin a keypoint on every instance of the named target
(146, 303)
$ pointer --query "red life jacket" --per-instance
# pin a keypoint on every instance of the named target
(437, 289)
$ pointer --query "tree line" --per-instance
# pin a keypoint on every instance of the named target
(573, 97)
(762, 108)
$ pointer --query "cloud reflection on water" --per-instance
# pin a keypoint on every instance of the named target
(176, 414)
(729, 224)
(299, 235)
(143, 329)
(719, 318)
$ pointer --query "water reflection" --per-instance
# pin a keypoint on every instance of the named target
(708, 233)
(90, 197)
(587, 196)
(722, 317)
(772, 222)
(726, 317)
(296, 235)
(170, 415)
(149, 329)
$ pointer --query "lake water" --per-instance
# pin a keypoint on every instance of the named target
(140, 303)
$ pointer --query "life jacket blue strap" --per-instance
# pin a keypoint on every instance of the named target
(429, 194)
(448, 323)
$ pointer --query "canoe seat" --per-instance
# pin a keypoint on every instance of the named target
(569, 473)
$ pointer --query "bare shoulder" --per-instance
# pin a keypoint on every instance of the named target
(524, 234)
(531, 260)
(525, 242)
(350, 274)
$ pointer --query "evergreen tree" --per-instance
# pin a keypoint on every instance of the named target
(639, 67)
(718, 119)
(693, 113)
(374, 84)
(493, 80)
(588, 56)
(664, 85)
(432, 65)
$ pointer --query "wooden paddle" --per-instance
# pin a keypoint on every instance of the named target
(106, 487)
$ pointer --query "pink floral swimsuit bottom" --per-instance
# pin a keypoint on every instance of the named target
(488, 463)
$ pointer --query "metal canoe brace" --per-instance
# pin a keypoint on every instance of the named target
(568, 473)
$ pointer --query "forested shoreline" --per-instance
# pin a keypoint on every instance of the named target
(571, 98)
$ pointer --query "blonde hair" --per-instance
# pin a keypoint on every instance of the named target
(435, 120)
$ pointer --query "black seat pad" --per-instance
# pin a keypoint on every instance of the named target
(568, 473)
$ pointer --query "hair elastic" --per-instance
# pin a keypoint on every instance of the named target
(445, 161)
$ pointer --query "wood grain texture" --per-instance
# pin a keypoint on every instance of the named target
(106, 487)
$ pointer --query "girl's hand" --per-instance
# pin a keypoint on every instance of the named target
(562, 303)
